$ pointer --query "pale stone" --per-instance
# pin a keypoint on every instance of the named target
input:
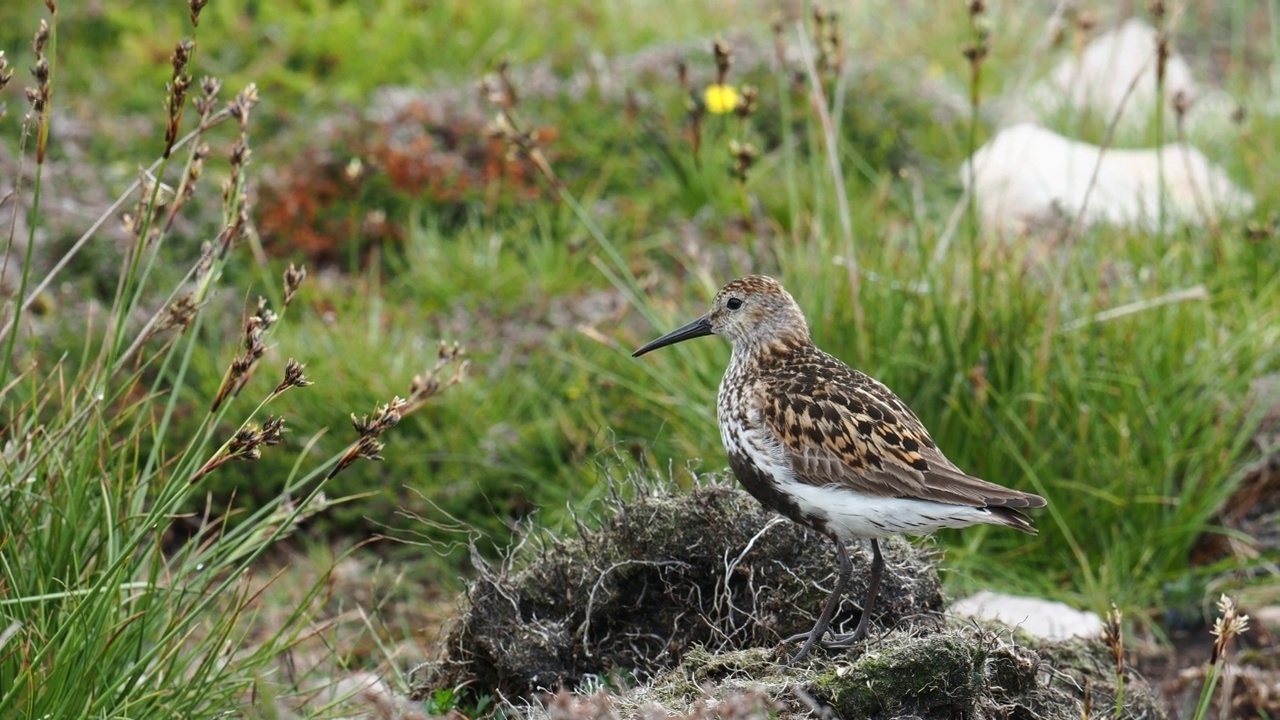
(1027, 176)
(1116, 73)
(1267, 616)
(1042, 618)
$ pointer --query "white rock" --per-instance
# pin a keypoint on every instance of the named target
(1027, 175)
(1099, 80)
(1267, 616)
(1041, 618)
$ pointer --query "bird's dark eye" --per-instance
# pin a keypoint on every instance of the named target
(734, 303)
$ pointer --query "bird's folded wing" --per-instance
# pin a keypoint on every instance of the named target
(880, 449)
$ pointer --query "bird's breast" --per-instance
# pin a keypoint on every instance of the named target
(757, 456)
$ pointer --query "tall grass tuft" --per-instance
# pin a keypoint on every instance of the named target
(116, 601)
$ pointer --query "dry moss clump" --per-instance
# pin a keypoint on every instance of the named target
(682, 600)
(664, 573)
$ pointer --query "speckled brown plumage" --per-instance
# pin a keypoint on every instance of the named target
(829, 446)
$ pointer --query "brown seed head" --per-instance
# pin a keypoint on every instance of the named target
(1113, 636)
(1182, 102)
(243, 104)
(195, 171)
(724, 59)
(272, 431)
(975, 52)
(244, 444)
(41, 37)
(241, 370)
(181, 56)
(447, 352)
(294, 377)
(383, 418)
(205, 262)
(370, 448)
(240, 152)
(6, 74)
(247, 443)
(180, 313)
(746, 101)
(38, 96)
(497, 87)
(210, 86)
(779, 42)
(1229, 624)
(744, 157)
(41, 71)
(196, 6)
(208, 101)
(293, 278)
(508, 87)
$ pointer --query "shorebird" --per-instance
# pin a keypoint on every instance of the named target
(830, 447)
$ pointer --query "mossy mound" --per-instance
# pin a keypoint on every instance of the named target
(959, 672)
(968, 672)
(940, 675)
(682, 599)
(664, 574)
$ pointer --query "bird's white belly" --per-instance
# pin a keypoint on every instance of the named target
(852, 514)
(848, 513)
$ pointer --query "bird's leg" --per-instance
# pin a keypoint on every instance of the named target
(829, 608)
(873, 592)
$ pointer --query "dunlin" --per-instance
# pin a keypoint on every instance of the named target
(830, 447)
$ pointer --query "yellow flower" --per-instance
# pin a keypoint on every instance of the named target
(721, 99)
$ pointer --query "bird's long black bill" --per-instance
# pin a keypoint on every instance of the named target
(698, 328)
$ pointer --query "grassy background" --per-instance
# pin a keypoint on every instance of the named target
(1135, 428)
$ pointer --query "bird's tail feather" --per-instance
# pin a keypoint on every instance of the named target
(1010, 517)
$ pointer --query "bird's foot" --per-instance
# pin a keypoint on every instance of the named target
(848, 640)
(836, 642)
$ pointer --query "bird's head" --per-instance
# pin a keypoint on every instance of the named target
(751, 312)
